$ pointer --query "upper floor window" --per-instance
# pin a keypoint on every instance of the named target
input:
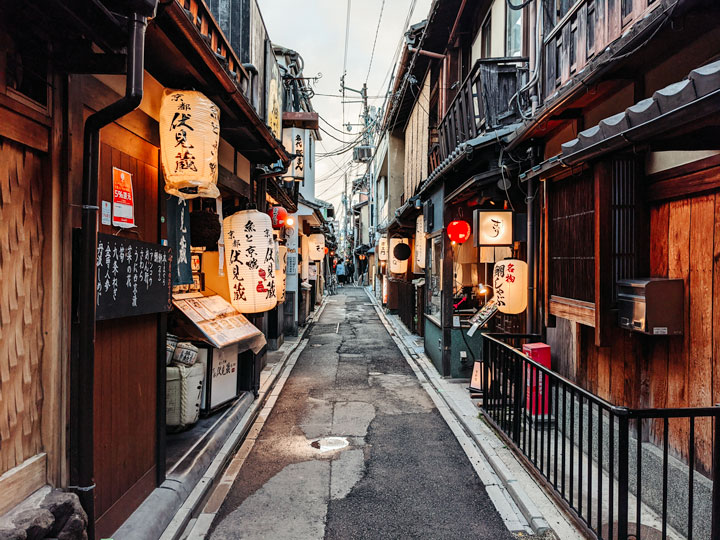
(513, 33)
(486, 38)
(26, 71)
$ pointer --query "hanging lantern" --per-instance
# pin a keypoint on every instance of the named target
(326, 250)
(458, 231)
(510, 282)
(316, 243)
(420, 242)
(398, 266)
(189, 139)
(281, 276)
(279, 216)
(382, 249)
(250, 259)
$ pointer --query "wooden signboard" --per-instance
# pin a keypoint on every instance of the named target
(133, 278)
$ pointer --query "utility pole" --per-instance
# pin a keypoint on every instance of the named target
(367, 141)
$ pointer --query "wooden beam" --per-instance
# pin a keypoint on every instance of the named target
(21, 129)
(603, 251)
(21, 481)
(301, 119)
(573, 310)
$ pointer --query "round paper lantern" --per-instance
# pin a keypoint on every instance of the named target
(382, 249)
(250, 260)
(189, 139)
(398, 266)
(458, 231)
(326, 250)
(317, 247)
(402, 252)
(278, 215)
(281, 272)
(510, 283)
(420, 242)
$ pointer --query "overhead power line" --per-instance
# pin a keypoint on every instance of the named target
(377, 30)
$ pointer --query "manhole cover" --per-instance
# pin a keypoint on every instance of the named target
(330, 444)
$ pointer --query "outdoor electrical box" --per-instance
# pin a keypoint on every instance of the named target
(652, 306)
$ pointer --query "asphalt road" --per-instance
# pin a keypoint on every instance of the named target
(354, 448)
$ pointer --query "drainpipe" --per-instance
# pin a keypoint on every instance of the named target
(531, 310)
(83, 469)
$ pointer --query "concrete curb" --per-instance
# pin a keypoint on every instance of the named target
(213, 493)
(506, 484)
(172, 500)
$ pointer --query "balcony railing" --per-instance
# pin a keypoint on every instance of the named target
(483, 102)
(593, 456)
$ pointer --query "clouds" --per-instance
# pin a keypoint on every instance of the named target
(316, 30)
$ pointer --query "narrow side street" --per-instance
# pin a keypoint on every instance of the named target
(354, 448)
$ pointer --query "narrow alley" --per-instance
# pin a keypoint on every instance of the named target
(354, 448)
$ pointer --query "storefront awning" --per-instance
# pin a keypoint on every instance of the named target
(676, 109)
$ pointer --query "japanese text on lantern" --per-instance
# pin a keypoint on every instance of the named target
(243, 252)
(503, 274)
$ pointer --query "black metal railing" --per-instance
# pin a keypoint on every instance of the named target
(624, 473)
(483, 102)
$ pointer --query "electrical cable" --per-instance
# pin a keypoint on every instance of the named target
(520, 6)
(377, 30)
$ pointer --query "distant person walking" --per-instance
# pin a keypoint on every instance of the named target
(340, 271)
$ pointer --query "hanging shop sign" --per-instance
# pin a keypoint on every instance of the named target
(510, 286)
(312, 272)
(274, 92)
(278, 215)
(382, 249)
(420, 242)
(250, 260)
(282, 256)
(316, 244)
(123, 205)
(178, 228)
(294, 143)
(397, 265)
(493, 227)
(133, 278)
(189, 139)
(459, 231)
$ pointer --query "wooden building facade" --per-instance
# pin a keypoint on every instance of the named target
(68, 62)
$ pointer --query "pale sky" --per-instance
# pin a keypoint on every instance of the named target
(316, 30)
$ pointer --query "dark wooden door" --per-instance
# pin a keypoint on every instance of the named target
(126, 355)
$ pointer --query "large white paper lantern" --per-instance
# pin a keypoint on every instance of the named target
(382, 249)
(510, 285)
(250, 260)
(189, 139)
(281, 276)
(316, 244)
(420, 242)
(397, 266)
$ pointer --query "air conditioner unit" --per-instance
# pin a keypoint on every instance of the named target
(363, 154)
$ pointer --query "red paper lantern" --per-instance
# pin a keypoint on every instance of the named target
(458, 231)
(326, 251)
(278, 215)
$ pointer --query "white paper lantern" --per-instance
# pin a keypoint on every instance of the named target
(316, 243)
(189, 139)
(382, 249)
(250, 260)
(510, 284)
(281, 276)
(396, 265)
(420, 242)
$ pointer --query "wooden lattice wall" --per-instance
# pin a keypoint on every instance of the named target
(21, 300)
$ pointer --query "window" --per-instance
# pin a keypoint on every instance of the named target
(513, 33)
(591, 27)
(26, 71)
(571, 227)
(434, 306)
(487, 38)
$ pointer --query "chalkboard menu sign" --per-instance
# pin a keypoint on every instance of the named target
(133, 278)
